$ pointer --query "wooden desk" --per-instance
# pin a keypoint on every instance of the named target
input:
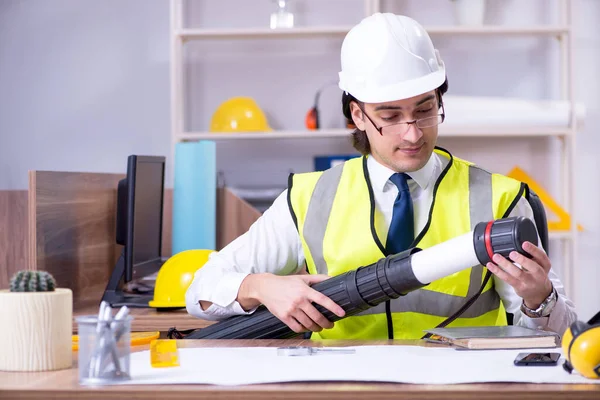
(63, 385)
(148, 319)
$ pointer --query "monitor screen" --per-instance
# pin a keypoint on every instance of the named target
(148, 212)
(145, 215)
(138, 230)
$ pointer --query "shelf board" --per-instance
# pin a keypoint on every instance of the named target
(306, 31)
(450, 131)
(249, 33)
(498, 30)
(301, 134)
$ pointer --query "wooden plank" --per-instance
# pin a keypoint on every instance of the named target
(234, 217)
(13, 234)
(72, 223)
(167, 227)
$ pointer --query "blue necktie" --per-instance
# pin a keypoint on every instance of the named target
(401, 233)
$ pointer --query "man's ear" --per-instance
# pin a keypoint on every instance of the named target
(357, 116)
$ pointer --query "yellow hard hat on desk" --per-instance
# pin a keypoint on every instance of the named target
(175, 276)
(239, 114)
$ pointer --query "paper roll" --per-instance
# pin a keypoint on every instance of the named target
(445, 259)
(194, 196)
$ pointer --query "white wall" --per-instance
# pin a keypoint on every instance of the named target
(85, 83)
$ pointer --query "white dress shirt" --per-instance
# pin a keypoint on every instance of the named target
(272, 245)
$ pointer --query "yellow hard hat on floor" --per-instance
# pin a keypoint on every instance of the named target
(239, 114)
(175, 276)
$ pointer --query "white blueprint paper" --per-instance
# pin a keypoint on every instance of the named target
(403, 364)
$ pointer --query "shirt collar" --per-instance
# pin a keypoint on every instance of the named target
(380, 174)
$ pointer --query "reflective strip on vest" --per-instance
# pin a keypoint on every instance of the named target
(480, 210)
(317, 215)
(419, 301)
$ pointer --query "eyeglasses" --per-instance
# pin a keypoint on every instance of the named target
(400, 128)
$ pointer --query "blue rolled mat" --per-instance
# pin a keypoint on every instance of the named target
(195, 196)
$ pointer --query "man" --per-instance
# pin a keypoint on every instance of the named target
(403, 193)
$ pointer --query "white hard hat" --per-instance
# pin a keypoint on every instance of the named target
(389, 57)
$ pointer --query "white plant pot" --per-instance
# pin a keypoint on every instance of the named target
(37, 329)
(469, 12)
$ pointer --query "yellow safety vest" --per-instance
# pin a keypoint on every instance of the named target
(334, 212)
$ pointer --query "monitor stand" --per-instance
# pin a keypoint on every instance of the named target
(114, 296)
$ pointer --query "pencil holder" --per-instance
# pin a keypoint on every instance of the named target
(104, 350)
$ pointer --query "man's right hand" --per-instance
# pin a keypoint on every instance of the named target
(290, 299)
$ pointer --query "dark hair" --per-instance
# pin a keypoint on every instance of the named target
(360, 141)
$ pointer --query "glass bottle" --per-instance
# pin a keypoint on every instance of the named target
(282, 18)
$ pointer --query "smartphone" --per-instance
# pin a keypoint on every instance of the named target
(533, 359)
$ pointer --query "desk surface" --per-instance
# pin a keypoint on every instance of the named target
(64, 384)
(148, 319)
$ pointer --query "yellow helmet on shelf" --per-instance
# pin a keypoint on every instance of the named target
(175, 276)
(239, 114)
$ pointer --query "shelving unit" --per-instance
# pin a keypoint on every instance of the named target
(562, 31)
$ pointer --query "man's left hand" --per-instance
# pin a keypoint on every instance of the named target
(531, 282)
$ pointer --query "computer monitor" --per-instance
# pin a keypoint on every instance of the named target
(140, 199)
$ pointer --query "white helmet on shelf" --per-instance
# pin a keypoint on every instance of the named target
(389, 57)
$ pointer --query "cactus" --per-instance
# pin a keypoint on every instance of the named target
(32, 281)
